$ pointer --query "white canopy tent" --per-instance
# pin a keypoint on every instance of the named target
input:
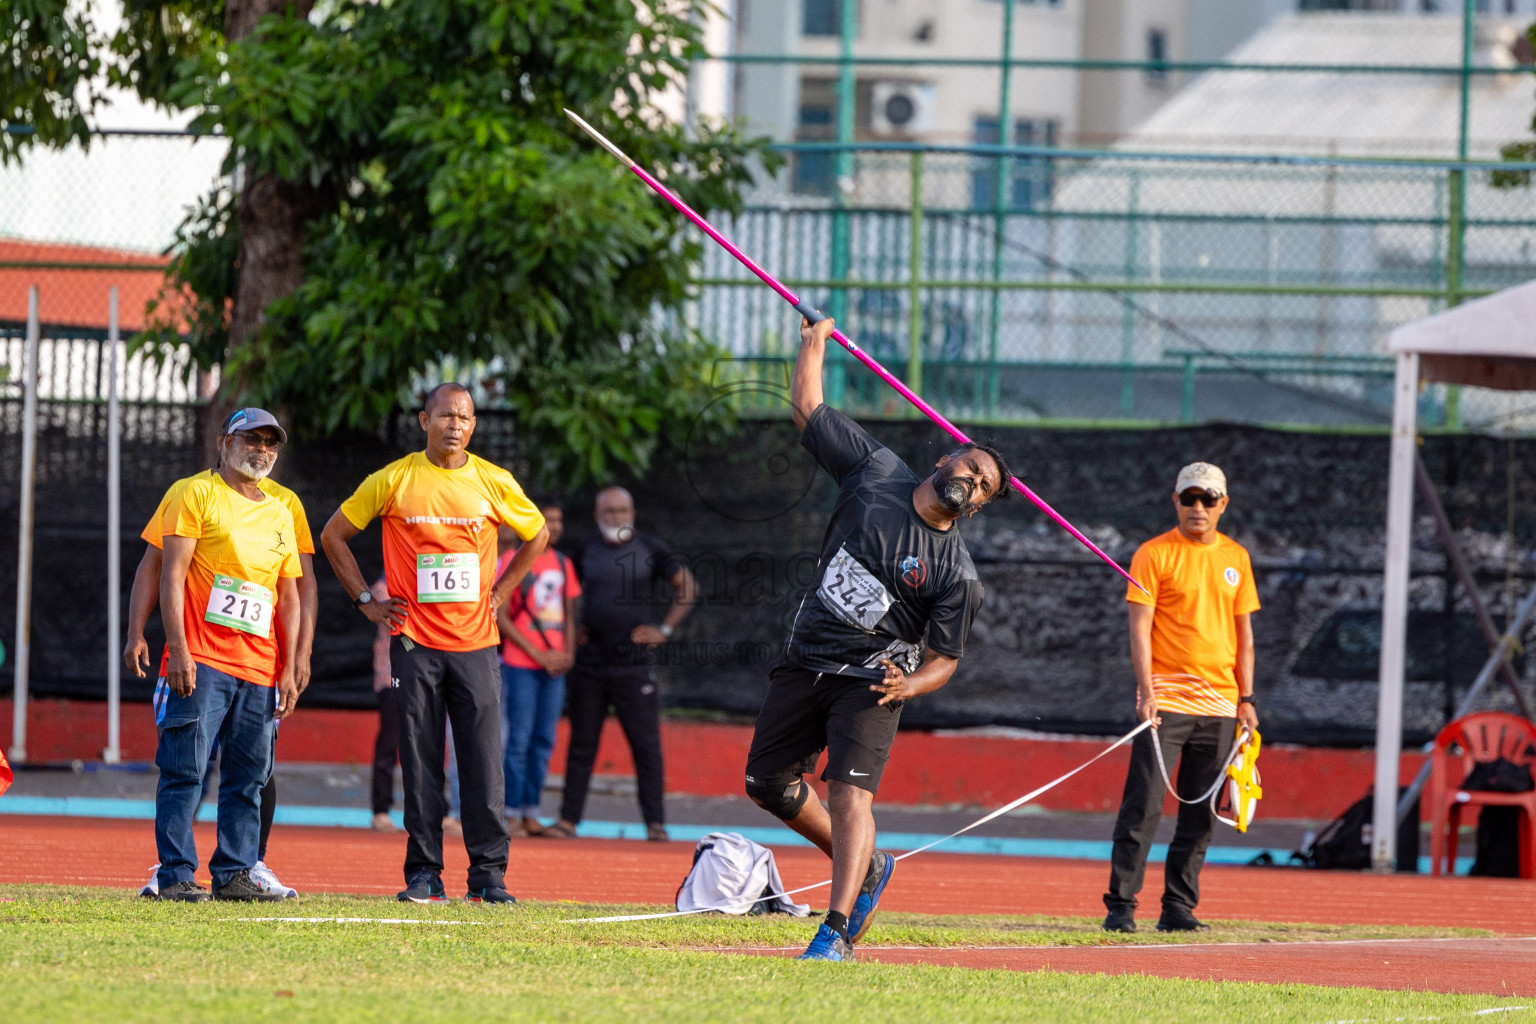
(1490, 343)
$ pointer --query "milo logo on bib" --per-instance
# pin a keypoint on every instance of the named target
(448, 577)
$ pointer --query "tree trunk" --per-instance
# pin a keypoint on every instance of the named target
(273, 216)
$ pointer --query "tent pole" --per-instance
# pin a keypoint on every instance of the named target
(1394, 611)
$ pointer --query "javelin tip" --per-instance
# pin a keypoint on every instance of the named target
(599, 138)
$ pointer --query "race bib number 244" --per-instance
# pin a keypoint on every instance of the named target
(852, 592)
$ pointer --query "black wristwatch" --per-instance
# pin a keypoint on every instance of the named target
(366, 597)
(1248, 700)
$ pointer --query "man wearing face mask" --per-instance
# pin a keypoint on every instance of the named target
(885, 620)
(621, 571)
(227, 580)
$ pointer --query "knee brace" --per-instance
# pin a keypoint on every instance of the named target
(779, 795)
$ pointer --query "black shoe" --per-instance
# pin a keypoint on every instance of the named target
(490, 894)
(1121, 919)
(243, 890)
(424, 887)
(184, 892)
(1177, 919)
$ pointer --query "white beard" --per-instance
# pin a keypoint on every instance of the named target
(252, 469)
(616, 534)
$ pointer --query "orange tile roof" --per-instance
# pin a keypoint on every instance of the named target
(77, 297)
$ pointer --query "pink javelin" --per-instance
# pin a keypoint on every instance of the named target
(814, 315)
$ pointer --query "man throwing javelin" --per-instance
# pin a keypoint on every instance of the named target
(885, 621)
(440, 509)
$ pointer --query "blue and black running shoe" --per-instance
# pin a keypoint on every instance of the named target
(827, 945)
(490, 894)
(424, 887)
(879, 876)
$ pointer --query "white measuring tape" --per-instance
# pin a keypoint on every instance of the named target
(1213, 794)
(748, 901)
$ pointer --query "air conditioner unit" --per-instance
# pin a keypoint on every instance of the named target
(900, 108)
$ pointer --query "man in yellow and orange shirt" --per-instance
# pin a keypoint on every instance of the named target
(146, 594)
(440, 510)
(1192, 653)
(230, 605)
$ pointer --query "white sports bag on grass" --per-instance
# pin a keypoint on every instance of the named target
(733, 875)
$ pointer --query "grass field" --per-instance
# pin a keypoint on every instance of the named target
(95, 954)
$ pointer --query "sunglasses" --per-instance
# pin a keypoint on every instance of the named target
(251, 439)
(1188, 499)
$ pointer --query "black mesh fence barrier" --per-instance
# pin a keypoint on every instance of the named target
(1049, 649)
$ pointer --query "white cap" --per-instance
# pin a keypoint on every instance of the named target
(1203, 475)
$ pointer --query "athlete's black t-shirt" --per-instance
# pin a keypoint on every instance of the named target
(622, 586)
(886, 580)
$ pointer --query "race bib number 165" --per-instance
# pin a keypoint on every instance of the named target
(447, 578)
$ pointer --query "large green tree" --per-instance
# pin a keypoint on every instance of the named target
(404, 193)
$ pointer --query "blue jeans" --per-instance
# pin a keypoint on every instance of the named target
(239, 715)
(531, 700)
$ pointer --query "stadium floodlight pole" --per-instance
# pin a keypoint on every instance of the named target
(814, 315)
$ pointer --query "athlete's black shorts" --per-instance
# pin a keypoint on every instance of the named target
(807, 712)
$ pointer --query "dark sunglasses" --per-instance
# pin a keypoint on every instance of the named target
(1188, 499)
(251, 439)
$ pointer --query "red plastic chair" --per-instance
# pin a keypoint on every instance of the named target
(1484, 736)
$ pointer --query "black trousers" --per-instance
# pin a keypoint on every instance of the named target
(1201, 746)
(463, 687)
(631, 691)
(386, 750)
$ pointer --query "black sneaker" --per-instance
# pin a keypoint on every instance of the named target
(1177, 919)
(243, 890)
(490, 894)
(184, 892)
(1120, 919)
(424, 887)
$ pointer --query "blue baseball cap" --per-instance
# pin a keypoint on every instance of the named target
(252, 419)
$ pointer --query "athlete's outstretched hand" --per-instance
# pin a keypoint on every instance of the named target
(896, 686)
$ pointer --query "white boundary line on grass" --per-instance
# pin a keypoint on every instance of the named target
(355, 920)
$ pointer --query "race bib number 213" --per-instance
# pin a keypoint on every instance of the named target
(240, 604)
(447, 578)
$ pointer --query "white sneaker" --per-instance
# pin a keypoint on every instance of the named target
(266, 881)
(152, 887)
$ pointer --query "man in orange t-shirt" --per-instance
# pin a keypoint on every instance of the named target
(230, 606)
(1192, 652)
(440, 510)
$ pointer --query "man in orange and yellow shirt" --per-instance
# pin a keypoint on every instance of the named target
(227, 582)
(146, 594)
(440, 510)
(1192, 652)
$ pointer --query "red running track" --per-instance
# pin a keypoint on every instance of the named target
(76, 851)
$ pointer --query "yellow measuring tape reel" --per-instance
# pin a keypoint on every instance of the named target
(1243, 780)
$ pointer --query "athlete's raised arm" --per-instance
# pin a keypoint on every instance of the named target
(805, 387)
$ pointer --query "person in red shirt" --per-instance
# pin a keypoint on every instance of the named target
(538, 629)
